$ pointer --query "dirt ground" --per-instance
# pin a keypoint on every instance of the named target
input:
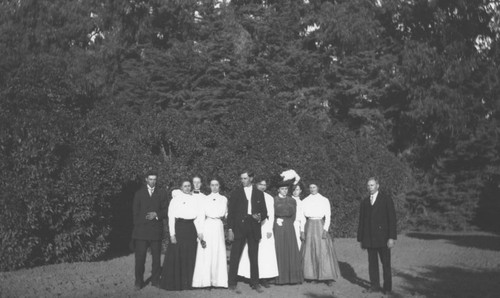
(424, 265)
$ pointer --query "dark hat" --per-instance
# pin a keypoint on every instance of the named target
(286, 183)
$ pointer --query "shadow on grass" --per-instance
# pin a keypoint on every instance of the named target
(350, 275)
(452, 282)
(312, 295)
(486, 242)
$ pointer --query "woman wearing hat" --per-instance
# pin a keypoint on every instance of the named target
(318, 254)
(287, 251)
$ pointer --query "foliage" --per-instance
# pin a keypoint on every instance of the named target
(96, 93)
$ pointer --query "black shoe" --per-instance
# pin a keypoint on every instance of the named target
(373, 290)
(258, 288)
(234, 289)
(265, 284)
(329, 283)
(137, 286)
(155, 284)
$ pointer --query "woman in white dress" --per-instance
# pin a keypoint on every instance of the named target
(296, 191)
(211, 262)
(268, 264)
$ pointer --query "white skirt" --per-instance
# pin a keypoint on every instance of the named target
(296, 225)
(211, 263)
(268, 264)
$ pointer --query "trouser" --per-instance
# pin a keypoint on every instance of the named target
(237, 249)
(141, 248)
(385, 258)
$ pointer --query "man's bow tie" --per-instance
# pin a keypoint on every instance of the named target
(196, 191)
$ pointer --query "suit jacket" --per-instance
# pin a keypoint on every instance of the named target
(377, 223)
(143, 203)
(237, 211)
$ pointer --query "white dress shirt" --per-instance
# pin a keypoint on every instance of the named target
(315, 207)
(248, 193)
(151, 190)
(373, 198)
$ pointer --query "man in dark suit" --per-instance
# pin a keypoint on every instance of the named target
(246, 210)
(377, 233)
(149, 209)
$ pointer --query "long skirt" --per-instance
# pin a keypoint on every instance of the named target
(268, 265)
(287, 253)
(318, 254)
(211, 262)
(296, 225)
(178, 266)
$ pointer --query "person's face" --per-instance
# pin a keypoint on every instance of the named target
(151, 180)
(283, 191)
(186, 187)
(297, 191)
(372, 186)
(313, 189)
(262, 185)
(196, 183)
(214, 186)
(246, 180)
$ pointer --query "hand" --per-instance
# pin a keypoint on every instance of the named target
(200, 236)
(390, 243)
(269, 234)
(302, 236)
(173, 240)
(203, 243)
(325, 234)
(256, 217)
(151, 215)
(230, 235)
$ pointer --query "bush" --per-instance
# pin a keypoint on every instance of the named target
(49, 214)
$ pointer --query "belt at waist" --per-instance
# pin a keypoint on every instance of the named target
(213, 217)
(184, 220)
(284, 217)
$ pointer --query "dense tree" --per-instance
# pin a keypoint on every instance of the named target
(94, 93)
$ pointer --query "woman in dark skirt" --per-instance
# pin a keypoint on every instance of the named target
(318, 253)
(178, 266)
(287, 251)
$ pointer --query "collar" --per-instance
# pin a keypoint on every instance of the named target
(150, 188)
(374, 195)
(247, 187)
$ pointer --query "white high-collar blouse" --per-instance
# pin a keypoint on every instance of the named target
(316, 207)
(185, 206)
(215, 205)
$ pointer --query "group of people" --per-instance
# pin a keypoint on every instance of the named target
(281, 240)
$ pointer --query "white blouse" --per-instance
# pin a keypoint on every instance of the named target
(298, 218)
(315, 206)
(185, 206)
(267, 225)
(215, 205)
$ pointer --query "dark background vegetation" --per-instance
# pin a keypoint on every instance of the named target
(94, 93)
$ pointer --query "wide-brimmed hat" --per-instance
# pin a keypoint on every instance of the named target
(286, 183)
